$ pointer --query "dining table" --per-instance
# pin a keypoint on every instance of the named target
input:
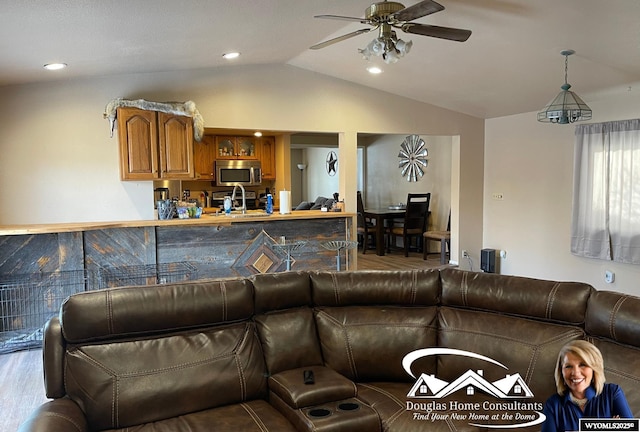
(381, 216)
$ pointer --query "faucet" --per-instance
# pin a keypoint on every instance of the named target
(244, 200)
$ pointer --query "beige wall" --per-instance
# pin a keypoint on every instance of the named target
(59, 164)
(531, 163)
(382, 161)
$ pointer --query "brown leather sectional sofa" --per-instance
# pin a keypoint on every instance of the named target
(380, 351)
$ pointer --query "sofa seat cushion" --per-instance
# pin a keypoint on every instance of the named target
(520, 346)
(368, 343)
(251, 416)
(328, 386)
(130, 382)
(398, 414)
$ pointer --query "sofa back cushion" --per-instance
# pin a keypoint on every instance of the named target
(123, 312)
(392, 288)
(129, 382)
(369, 320)
(368, 343)
(523, 346)
(141, 354)
(613, 320)
(289, 339)
(563, 302)
(278, 291)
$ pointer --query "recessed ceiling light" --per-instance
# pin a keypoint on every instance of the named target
(231, 55)
(55, 66)
(374, 70)
(258, 134)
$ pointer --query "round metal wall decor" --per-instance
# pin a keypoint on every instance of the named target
(413, 158)
(332, 163)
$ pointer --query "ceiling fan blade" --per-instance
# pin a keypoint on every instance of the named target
(454, 34)
(339, 39)
(344, 18)
(418, 10)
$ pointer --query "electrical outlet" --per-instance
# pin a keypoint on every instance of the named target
(465, 254)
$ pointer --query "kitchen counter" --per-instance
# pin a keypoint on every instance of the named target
(111, 253)
(208, 218)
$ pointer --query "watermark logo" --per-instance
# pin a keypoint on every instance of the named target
(606, 425)
(507, 395)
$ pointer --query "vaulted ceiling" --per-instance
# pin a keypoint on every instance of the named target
(511, 63)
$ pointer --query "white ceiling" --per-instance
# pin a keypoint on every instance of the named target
(510, 64)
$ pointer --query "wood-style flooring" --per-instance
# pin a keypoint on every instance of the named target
(21, 374)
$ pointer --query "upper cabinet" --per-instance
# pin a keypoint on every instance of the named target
(241, 147)
(154, 145)
(268, 157)
(204, 156)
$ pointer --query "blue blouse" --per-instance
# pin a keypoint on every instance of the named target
(563, 415)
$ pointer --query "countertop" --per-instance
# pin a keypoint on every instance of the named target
(208, 218)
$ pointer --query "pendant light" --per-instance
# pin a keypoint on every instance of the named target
(567, 107)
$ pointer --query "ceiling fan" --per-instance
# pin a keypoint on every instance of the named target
(386, 16)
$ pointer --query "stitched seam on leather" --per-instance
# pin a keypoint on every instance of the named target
(612, 317)
(67, 418)
(109, 312)
(115, 410)
(352, 362)
(254, 417)
(506, 338)
(241, 378)
(336, 291)
(414, 287)
(384, 392)
(281, 385)
(464, 288)
(550, 300)
(223, 291)
(622, 374)
(387, 422)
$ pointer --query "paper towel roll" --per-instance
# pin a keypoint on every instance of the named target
(285, 202)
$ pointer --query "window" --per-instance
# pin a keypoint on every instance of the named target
(606, 191)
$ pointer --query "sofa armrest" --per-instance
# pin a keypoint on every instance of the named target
(58, 415)
(328, 386)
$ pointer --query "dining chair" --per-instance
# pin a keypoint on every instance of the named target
(414, 223)
(444, 237)
(366, 227)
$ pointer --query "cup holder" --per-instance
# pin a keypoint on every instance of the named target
(319, 412)
(348, 406)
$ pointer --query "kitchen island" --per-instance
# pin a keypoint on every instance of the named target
(216, 244)
(40, 265)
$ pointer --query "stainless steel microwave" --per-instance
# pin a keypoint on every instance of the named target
(244, 172)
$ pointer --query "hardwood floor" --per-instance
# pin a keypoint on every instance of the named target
(21, 387)
(397, 260)
(21, 375)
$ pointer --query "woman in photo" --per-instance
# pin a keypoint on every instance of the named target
(581, 390)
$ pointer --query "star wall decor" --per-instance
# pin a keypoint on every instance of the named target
(332, 163)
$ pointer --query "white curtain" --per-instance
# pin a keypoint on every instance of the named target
(606, 194)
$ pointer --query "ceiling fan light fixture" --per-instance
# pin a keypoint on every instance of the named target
(404, 47)
(567, 107)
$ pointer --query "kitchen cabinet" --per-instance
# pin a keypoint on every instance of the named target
(267, 147)
(204, 157)
(240, 147)
(154, 145)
